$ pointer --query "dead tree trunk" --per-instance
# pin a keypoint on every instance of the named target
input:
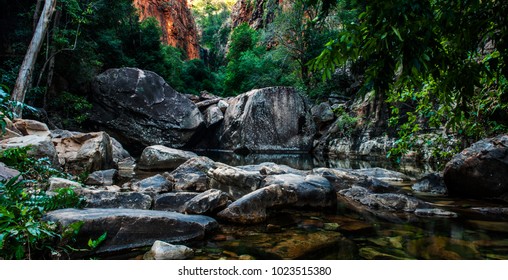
(26, 70)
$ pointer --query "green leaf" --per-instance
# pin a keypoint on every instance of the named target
(397, 33)
(95, 243)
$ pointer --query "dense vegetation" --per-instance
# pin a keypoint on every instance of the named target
(426, 65)
(437, 65)
(23, 201)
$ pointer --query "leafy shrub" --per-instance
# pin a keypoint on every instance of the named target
(23, 233)
(76, 108)
(37, 170)
(345, 123)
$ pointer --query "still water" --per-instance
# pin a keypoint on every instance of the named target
(347, 233)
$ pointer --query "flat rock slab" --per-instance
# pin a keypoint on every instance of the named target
(130, 228)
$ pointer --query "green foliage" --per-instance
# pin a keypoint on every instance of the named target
(243, 39)
(36, 170)
(345, 123)
(441, 65)
(77, 108)
(23, 233)
(210, 16)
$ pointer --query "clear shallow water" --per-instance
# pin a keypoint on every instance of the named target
(347, 233)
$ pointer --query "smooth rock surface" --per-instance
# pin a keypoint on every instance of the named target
(286, 190)
(193, 174)
(102, 177)
(346, 178)
(159, 157)
(154, 184)
(269, 119)
(383, 201)
(173, 201)
(480, 170)
(140, 109)
(208, 202)
(7, 173)
(111, 199)
(164, 251)
(32, 127)
(129, 228)
(42, 147)
(234, 181)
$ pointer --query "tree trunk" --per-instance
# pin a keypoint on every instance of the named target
(26, 70)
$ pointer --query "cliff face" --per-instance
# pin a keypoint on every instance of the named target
(176, 20)
(257, 13)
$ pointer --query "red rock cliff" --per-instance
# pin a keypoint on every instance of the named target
(257, 13)
(176, 20)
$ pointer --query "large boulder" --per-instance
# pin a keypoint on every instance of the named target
(268, 119)
(286, 190)
(84, 152)
(132, 228)
(480, 170)
(140, 109)
(163, 158)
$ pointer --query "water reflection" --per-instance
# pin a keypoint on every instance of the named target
(306, 161)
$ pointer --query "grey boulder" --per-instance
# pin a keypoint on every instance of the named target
(131, 228)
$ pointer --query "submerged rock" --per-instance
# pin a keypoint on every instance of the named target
(129, 228)
(164, 251)
(435, 212)
(269, 119)
(163, 158)
(480, 170)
